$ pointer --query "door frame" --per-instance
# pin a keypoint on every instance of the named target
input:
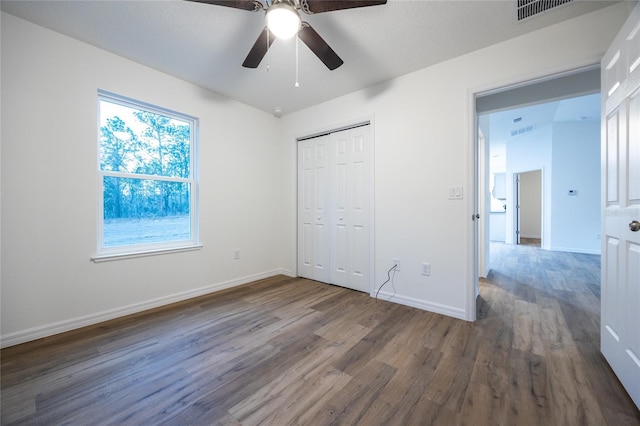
(476, 244)
(515, 208)
(327, 129)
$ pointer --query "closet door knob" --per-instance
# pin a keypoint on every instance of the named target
(634, 226)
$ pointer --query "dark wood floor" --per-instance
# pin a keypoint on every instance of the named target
(292, 351)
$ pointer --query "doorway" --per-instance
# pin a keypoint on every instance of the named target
(528, 208)
(531, 127)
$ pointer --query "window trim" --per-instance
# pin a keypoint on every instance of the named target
(99, 258)
(149, 249)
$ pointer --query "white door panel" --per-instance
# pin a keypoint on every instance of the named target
(313, 196)
(620, 316)
(351, 211)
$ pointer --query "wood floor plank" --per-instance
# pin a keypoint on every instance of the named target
(351, 403)
(482, 407)
(526, 396)
(400, 397)
(401, 350)
(526, 328)
(290, 351)
(492, 369)
(570, 396)
(451, 381)
(310, 376)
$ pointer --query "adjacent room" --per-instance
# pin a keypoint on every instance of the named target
(206, 222)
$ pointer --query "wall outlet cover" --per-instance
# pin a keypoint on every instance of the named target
(426, 269)
(396, 262)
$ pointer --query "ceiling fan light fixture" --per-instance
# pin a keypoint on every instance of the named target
(283, 20)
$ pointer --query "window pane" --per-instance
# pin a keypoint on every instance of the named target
(143, 142)
(141, 211)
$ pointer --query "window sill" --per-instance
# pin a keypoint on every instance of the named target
(132, 255)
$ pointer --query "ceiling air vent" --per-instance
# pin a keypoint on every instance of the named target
(527, 8)
(522, 130)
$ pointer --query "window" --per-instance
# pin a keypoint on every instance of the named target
(147, 177)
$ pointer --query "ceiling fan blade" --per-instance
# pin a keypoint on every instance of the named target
(251, 5)
(312, 39)
(259, 49)
(319, 6)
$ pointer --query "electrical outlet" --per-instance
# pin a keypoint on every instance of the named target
(236, 254)
(426, 269)
(397, 263)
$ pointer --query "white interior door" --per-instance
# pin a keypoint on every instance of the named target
(313, 201)
(530, 204)
(334, 208)
(483, 207)
(351, 208)
(620, 316)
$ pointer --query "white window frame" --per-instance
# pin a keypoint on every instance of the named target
(148, 249)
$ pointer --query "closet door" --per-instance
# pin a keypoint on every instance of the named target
(313, 201)
(350, 208)
(334, 208)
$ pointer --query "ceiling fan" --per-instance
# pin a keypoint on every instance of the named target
(282, 20)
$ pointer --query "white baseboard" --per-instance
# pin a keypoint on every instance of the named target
(39, 332)
(574, 250)
(437, 308)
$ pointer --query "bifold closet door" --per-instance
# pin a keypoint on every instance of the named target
(350, 200)
(334, 208)
(313, 200)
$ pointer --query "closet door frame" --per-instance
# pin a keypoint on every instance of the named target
(363, 281)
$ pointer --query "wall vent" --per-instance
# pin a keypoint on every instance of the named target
(527, 8)
(522, 130)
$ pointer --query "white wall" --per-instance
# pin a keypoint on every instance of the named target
(576, 166)
(498, 223)
(423, 125)
(49, 188)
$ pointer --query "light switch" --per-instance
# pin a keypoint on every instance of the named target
(455, 193)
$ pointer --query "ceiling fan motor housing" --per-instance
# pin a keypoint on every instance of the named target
(282, 19)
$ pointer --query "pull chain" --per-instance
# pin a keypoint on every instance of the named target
(297, 84)
(268, 52)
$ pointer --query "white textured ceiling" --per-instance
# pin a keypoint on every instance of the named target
(207, 44)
